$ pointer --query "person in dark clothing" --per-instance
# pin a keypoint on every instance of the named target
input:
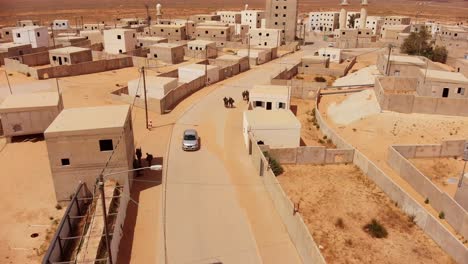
(149, 159)
(139, 154)
(231, 102)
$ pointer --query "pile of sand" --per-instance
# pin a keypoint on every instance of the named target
(355, 107)
(364, 76)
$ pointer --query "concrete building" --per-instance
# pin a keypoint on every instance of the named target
(442, 84)
(396, 20)
(252, 18)
(256, 56)
(60, 24)
(266, 37)
(144, 41)
(6, 34)
(315, 62)
(94, 36)
(331, 53)
(204, 17)
(80, 142)
(10, 49)
(323, 21)
(374, 23)
(214, 33)
(171, 53)
(390, 33)
(400, 65)
(119, 40)
(95, 26)
(454, 33)
(29, 114)
(69, 41)
(270, 97)
(230, 17)
(171, 32)
(352, 38)
(461, 65)
(277, 129)
(189, 26)
(156, 87)
(34, 35)
(241, 63)
(188, 73)
(27, 23)
(282, 15)
(202, 49)
(69, 56)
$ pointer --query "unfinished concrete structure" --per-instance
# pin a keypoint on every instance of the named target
(374, 23)
(69, 56)
(167, 52)
(119, 40)
(252, 18)
(80, 142)
(188, 73)
(28, 114)
(396, 20)
(277, 129)
(266, 37)
(282, 15)
(60, 24)
(202, 49)
(229, 17)
(94, 36)
(156, 87)
(170, 32)
(35, 35)
(145, 42)
(323, 21)
(270, 97)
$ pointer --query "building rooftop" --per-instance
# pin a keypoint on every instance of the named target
(271, 119)
(230, 57)
(200, 42)
(413, 60)
(26, 28)
(314, 58)
(89, 119)
(68, 50)
(200, 67)
(117, 30)
(29, 101)
(274, 90)
(167, 45)
(167, 26)
(212, 26)
(444, 76)
(151, 38)
(396, 27)
(254, 53)
(7, 45)
(152, 81)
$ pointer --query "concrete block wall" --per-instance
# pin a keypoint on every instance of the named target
(312, 155)
(430, 225)
(297, 229)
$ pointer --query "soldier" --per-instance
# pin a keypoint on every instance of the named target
(231, 102)
(138, 154)
(247, 96)
(226, 102)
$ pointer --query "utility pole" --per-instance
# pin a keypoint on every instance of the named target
(206, 65)
(57, 83)
(8, 81)
(146, 101)
(248, 49)
(465, 157)
(390, 46)
(53, 33)
(104, 213)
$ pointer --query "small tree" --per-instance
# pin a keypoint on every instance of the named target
(440, 54)
(418, 43)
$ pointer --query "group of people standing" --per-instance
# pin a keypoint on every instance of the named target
(229, 102)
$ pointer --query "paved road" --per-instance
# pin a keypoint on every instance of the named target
(217, 209)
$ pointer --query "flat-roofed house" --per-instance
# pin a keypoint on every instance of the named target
(230, 17)
(34, 35)
(96, 26)
(442, 84)
(252, 18)
(171, 32)
(400, 65)
(10, 49)
(172, 53)
(6, 34)
(188, 73)
(204, 17)
(256, 56)
(144, 42)
(277, 129)
(29, 114)
(60, 24)
(70, 41)
(69, 56)
(266, 37)
(94, 36)
(220, 34)
(119, 40)
(81, 141)
(156, 87)
(270, 97)
(240, 62)
(201, 49)
(27, 23)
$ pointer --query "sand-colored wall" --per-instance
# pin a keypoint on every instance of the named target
(312, 155)
(430, 225)
(30, 122)
(297, 230)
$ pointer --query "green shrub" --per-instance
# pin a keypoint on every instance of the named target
(426, 201)
(58, 206)
(321, 141)
(320, 79)
(375, 229)
(274, 164)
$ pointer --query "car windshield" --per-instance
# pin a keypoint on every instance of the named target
(190, 137)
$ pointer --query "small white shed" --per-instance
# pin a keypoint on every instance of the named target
(156, 87)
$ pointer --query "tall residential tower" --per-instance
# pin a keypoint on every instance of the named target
(282, 14)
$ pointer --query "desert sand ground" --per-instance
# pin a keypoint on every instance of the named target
(443, 172)
(374, 134)
(355, 201)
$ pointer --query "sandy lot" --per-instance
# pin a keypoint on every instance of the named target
(356, 106)
(355, 200)
(443, 172)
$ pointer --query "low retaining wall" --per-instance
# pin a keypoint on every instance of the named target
(301, 89)
(430, 225)
(174, 97)
(312, 155)
(297, 229)
(397, 159)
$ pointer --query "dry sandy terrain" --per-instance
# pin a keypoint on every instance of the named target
(355, 200)
(373, 135)
(443, 172)
(107, 10)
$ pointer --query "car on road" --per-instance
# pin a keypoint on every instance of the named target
(190, 140)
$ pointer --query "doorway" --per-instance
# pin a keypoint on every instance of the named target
(445, 92)
(60, 60)
(268, 105)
